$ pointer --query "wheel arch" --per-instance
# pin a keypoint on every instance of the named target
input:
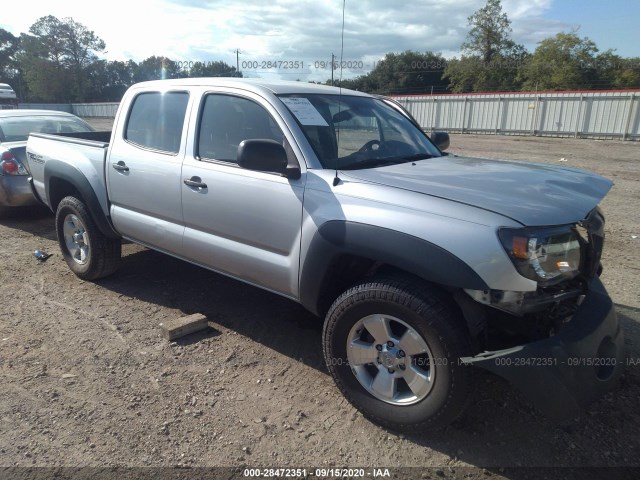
(342, 252)
(63, 180)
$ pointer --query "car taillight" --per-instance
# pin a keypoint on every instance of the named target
(10, 165)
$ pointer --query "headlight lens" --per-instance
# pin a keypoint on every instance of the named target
(546, 255)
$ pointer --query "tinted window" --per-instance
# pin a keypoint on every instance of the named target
(226, 121)
(156, 120)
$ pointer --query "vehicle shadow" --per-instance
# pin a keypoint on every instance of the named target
(37, 220)
(500, 431)
(255, 313)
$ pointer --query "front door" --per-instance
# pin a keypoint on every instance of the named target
(240, 222)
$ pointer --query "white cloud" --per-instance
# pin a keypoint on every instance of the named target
(303, 30)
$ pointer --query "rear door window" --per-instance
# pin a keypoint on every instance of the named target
(156, 120)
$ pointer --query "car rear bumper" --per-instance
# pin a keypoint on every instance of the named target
(563, 374)
(15, 191)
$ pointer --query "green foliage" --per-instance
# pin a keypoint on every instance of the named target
(109, 80)
(612, 71)
(491, 59)
(489, 36)
(8, 47)
(156, 68)
(406, 72)
(213, 69)
(58, 54)
(564, 62)
(59, 61)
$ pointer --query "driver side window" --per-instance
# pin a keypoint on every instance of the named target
(227, 120)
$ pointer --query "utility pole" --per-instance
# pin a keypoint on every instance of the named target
(237, 50)
(332, 60)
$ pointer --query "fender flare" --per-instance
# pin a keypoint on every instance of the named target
(414, 255)
(56, 169)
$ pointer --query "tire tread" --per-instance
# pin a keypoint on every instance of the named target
(428, 303)
(106, 252)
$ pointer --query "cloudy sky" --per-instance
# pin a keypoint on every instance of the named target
(308, 31)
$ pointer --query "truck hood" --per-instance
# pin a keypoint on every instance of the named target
(529, 193)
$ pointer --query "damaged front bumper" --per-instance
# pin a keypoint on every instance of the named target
(563, 374)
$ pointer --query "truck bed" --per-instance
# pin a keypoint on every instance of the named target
(97, 139)
(83, 152)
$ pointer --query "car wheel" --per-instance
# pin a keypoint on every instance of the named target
(393, 346)
(89, 253)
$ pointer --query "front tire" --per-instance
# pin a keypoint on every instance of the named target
(88, 252)
(393, 345)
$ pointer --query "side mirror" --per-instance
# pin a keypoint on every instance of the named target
(263, 156)
(441, 140)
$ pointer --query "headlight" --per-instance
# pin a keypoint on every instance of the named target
(546, 255)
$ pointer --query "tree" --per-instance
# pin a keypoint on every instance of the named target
(490, 33)
(57, 54)
(8, 48)
(490, 59)
(80, 45)
(46, 78)
(406, 72)
(157, 68)
(109, 80)
(614, 71)
(213, 69)
(9, 71)
(563, 62)
(627, 73)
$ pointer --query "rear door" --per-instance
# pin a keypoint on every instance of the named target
(143, 170)
(240, 222)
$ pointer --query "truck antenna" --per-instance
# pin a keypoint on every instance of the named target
(336, 180)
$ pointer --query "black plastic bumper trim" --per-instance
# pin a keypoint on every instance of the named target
(563, 374)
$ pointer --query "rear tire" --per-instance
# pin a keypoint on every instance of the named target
(392, 345)
(88, 252)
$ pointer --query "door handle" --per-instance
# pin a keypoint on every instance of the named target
(120, 166)
(194, 182)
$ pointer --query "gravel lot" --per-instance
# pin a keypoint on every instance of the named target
(87, 380)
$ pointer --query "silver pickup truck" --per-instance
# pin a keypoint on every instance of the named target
(426, 266)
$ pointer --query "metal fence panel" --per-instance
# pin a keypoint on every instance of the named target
(59, 107)
(607, 114)
(106, 109)
(95, 109)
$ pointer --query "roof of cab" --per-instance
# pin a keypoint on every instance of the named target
(258, 85)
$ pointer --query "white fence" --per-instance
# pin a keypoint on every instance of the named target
(105, 109)
(605, 115)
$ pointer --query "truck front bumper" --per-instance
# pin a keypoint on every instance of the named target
(563, 374)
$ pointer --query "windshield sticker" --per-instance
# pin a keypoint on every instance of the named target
(304, 111)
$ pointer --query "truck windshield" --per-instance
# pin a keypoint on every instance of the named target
(352, 132)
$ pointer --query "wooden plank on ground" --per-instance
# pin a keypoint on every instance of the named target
(179, 327)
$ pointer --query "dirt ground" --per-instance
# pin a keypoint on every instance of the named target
(86, 378)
